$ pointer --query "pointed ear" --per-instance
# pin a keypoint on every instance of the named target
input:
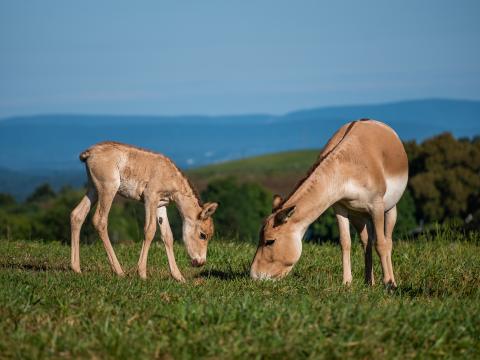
(277, 200)
(285, 214)
(207, 210)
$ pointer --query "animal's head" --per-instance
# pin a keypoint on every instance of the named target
(280, 244)
(197, 232)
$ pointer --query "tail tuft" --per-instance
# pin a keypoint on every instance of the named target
(84, 155)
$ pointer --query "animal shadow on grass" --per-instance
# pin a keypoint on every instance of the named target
(37, 267)
(415, 292)
(223, 275)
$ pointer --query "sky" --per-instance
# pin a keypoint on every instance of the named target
(232, 57)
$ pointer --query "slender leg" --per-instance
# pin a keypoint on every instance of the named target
(345, 242)
(149, 230)
(100, 221)
(381, 245)
(167, 238)
(390, 220)
(362, 227)
(77, 218)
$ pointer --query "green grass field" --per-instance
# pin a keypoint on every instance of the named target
(46, 311)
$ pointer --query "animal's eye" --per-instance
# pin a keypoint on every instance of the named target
(203, 236)
(269, 242)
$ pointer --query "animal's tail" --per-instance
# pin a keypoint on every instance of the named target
(84, 155)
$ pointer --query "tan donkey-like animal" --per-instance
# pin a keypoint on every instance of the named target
(149, 177)
(362, 172)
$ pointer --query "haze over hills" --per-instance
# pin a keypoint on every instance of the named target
(46, 147)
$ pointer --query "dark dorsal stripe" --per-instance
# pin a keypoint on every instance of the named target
(317, 164)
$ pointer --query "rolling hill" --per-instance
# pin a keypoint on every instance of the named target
(54, 141)
(278, 172)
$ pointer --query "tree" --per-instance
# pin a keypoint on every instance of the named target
(42, 193)
(52, 221)
(323, 229)
(406, 215)
(444, 176)
(6, 200)
(243, 207)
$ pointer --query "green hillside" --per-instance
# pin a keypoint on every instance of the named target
(278, 172)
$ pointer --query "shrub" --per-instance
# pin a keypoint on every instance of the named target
(243, 206)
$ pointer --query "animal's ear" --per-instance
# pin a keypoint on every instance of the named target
(277, 200)
(207, 210)
(282, 216)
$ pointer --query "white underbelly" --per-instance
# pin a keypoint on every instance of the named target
(359, 198)
(395, 188)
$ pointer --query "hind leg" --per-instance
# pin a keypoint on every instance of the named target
(383, 247)
(77, 218)
(363, 227)
(390, 220)
(100, 221)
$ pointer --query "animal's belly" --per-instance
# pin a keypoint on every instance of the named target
(357, 205)
(131, 188)
(360, 199)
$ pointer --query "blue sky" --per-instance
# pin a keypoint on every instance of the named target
(232, 57)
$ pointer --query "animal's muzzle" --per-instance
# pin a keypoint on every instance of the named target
(198, 262)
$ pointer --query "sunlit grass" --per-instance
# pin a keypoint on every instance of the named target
(48, 311)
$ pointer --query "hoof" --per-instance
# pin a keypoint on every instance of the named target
(391, 285)
(76, 269)
(143, 276)
(179, 278)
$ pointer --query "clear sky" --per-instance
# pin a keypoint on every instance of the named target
(232, 57)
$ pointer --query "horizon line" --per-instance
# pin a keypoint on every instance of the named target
(233, 115)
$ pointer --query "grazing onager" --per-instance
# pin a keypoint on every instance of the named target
(149, 177)
(362, 172)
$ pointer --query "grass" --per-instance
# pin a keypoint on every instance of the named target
(46, 311)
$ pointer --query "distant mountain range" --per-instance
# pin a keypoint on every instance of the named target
(47, 146)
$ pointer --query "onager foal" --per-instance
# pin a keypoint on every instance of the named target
(149, 177)
(362, 172)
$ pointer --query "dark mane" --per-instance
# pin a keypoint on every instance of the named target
(316, 165)
(192, 186)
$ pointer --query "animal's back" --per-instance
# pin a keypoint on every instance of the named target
(382, 141)
(129, 168)
(113, 148)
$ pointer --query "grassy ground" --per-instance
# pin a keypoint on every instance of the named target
(48, 311)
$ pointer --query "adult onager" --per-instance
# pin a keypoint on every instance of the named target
(362, 172)
(149, 177)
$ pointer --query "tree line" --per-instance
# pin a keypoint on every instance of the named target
(443, 188)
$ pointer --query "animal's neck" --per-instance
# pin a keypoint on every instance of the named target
(187, 201)
(317, 193)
